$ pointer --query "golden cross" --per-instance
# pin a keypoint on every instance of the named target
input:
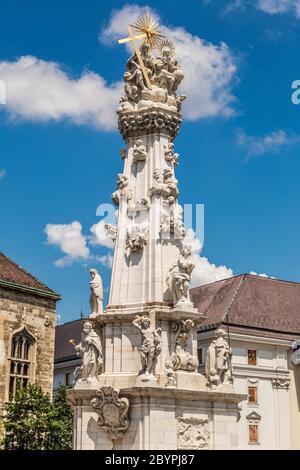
(132, 39)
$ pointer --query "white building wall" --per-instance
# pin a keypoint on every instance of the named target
(273, 403)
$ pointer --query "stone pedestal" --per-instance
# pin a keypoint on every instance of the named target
(186, 416)
(162, 418)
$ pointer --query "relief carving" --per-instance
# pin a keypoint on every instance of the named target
(139, 151)
(123, 190)
(171, 220)
(192, 433)
(137, 236)
(112, 411)
(170, 155)
(281, 383)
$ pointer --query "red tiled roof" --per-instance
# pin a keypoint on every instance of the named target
(64, 350)
(250, 301)
(13, 275)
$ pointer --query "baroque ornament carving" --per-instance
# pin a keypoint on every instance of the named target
(152, 121)
(124, 190)
(253, 418)
(178, 278)
(171, 220)
(218, 368)
(112, 411)
(138, 208)
(169, 372)
(165, 185)
(281, 383)
(139, 151)
(170, 155)
(192, 433)
(111, 231)
(150, 347)
(137, 236)
(90, 350)
(181, 358)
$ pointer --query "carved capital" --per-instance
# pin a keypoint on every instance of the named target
(281, 383)
(112, 411)
(150, 121)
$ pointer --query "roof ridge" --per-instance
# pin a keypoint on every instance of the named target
(219, 280)
(26, 272)
(234, 296)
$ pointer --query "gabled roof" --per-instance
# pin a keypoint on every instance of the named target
(64, 350)
(15, 277)
(250, 301)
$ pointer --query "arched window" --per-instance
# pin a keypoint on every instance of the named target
(21, 359)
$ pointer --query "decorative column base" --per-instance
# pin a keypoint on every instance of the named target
(161, 419)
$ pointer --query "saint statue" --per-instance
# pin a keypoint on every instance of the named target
(179, 276)
(218, 368)
(96, 296)
(151, 344)
(90, 349)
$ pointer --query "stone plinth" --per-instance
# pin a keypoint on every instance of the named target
(163, 418)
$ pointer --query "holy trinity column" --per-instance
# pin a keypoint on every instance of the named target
(139, 384)
(151, 263)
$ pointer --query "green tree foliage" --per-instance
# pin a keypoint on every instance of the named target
(33, 422)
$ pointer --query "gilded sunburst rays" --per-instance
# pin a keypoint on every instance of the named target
(149, 26)
(165, 45)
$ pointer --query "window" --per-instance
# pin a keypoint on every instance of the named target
(253, 434)
(252, 395)
(252, 357)
(68, 379)
(200, 356)
(20, 361)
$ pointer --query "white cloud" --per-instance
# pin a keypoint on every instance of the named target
(38, 90)
(271, 7)
(204, 271)
(99, 235)
(261, 275)
(259, 145)
(106, 260)
(209, 69)
(279, 6)
(71, 241)
(2, 173)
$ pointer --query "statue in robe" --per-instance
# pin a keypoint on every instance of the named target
(218, 369)
(179, 276)
(96, 297)
(90, 349)
(133, 77)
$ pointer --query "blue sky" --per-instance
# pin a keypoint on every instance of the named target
(239, 144)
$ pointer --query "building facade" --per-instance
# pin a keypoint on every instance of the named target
(262, 319)
(27, 330)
